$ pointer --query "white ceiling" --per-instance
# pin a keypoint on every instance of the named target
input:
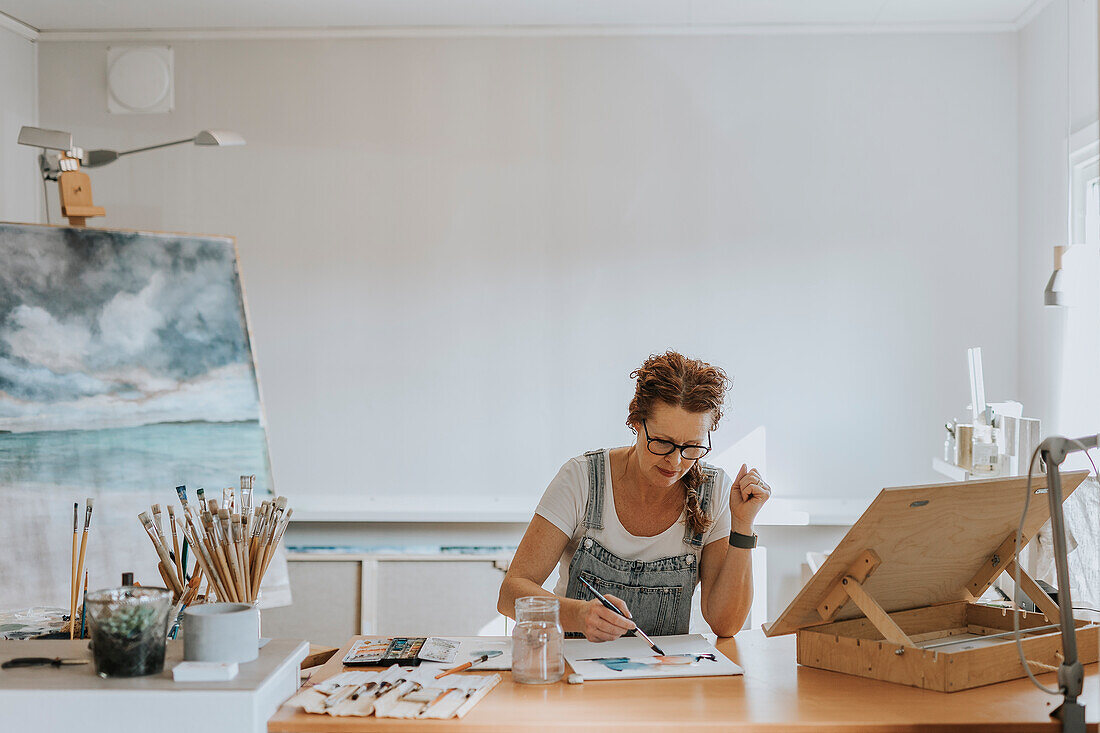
(131, 15)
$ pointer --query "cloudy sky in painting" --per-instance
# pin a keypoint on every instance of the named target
(111, 329)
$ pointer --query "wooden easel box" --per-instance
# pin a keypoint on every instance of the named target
(856, 647)
(907, 574)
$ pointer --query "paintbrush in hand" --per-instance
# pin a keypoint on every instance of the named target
(612, 607)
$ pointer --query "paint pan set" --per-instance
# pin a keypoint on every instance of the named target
(405, 651)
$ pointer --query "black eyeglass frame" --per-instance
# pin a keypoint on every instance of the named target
(650, 441)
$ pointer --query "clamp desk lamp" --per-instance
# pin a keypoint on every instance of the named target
(75, 187)
(1071, 674)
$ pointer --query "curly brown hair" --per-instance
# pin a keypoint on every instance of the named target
(674, 379)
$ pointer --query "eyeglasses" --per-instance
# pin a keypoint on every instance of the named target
(689, 452)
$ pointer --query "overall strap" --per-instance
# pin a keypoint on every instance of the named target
(593, 513)
(706, 495)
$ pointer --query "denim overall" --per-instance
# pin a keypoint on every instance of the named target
(658, 593)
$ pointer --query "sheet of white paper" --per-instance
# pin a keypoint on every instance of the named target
(473, 647)
(579, 652)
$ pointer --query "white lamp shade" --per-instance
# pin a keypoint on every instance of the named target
(1054, 294)
(218, 137)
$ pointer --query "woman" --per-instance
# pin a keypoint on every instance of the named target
(645, 523)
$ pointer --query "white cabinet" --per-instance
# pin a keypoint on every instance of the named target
(339, 595)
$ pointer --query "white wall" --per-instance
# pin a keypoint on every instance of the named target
(1058, 87)
(455, 250)
(20, 184)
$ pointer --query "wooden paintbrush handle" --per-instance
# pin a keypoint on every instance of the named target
(231, 552)
(80, 571)
(176, 553)
(460, 668)
(170, 578)
(167, 577)
(213, 571)
(227, 576)
(72, 586)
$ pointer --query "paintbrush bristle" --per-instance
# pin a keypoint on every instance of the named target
(156, 509)
(146, 519)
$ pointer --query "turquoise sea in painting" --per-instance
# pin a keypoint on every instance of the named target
(149, 457)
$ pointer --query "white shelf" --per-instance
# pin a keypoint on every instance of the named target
(956, 473)
(950, 470)
(778, 512)
(350, 508)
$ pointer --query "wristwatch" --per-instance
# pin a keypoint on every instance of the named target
(743, 541)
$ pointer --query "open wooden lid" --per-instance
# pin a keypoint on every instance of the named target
(932, 541)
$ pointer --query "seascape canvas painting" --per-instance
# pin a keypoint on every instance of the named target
(126, 369)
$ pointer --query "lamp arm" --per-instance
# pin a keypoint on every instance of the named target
(1070, 674)
(154, 147)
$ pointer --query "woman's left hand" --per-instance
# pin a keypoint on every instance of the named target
(747, 496)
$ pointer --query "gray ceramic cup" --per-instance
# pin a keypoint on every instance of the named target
(221, 632)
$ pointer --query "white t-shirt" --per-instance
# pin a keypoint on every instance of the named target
(563, 505)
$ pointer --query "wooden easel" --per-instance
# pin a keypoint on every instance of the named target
(913, 568)
(850, 587)
(75, 192)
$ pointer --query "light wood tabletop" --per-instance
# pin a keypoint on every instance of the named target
(775, 694)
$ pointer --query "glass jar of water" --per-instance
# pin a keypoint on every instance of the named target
(537, 657)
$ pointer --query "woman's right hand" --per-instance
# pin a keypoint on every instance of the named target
(602, 624)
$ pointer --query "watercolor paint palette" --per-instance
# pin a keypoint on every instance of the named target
(628, 657)
(374, 651)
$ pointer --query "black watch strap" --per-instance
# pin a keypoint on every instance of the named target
(743, 541)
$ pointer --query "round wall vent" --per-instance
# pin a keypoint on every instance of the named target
(139, 79)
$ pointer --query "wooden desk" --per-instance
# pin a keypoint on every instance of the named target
(774, 695)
